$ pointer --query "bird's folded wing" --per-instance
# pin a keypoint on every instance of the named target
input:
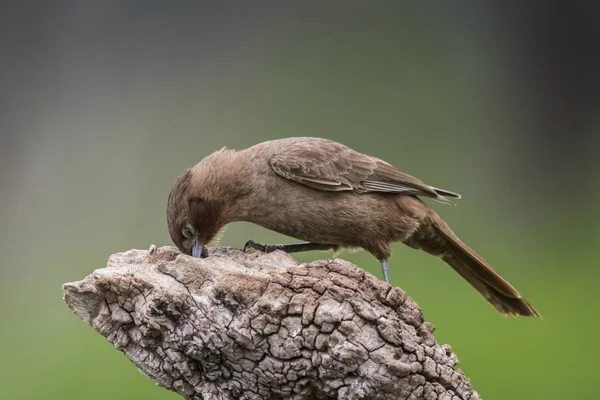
(326, 165)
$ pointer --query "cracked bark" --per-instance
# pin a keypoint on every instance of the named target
(261, 326)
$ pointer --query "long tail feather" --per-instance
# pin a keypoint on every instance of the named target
(475, 270)
(435, 237)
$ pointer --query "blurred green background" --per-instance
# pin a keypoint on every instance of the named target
(104, 103)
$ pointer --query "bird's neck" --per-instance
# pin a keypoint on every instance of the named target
(246, 177)
(227, 175)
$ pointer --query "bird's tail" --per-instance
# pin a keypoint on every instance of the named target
(437, 238)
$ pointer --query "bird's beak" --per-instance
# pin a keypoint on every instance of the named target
(197, 249)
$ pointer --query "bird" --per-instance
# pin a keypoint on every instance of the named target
(330, 197)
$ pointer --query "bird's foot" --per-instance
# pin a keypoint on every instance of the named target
(288, 248)
(204, 253)
(265, 248)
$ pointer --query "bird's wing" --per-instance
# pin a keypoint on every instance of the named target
(327, 165)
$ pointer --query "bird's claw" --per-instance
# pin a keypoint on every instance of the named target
(251, 244)
(204, 253)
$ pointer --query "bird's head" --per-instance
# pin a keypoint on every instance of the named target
(194, 217)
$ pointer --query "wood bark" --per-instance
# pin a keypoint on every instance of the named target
(262, 326)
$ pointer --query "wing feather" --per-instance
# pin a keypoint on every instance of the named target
(327, 165)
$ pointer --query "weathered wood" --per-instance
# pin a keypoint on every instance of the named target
(261, 326)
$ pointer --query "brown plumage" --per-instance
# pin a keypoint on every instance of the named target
(331, 196)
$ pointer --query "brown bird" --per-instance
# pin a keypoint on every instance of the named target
(330, 196)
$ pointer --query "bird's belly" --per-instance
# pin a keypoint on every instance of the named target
(345, 219)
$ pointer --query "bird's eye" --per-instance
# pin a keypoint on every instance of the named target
(187, 231)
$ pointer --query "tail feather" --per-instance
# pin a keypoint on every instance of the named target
(475, 270)
(503, 303)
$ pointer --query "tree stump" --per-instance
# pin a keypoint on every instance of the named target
(252, 325)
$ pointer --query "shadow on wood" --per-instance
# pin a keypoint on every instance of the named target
(261, 326)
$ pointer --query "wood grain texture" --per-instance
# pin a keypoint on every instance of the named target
(262, 326)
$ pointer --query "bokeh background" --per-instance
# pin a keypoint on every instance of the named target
(104, 103)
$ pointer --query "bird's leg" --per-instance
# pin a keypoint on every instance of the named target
(385, 267)
(288, 248)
